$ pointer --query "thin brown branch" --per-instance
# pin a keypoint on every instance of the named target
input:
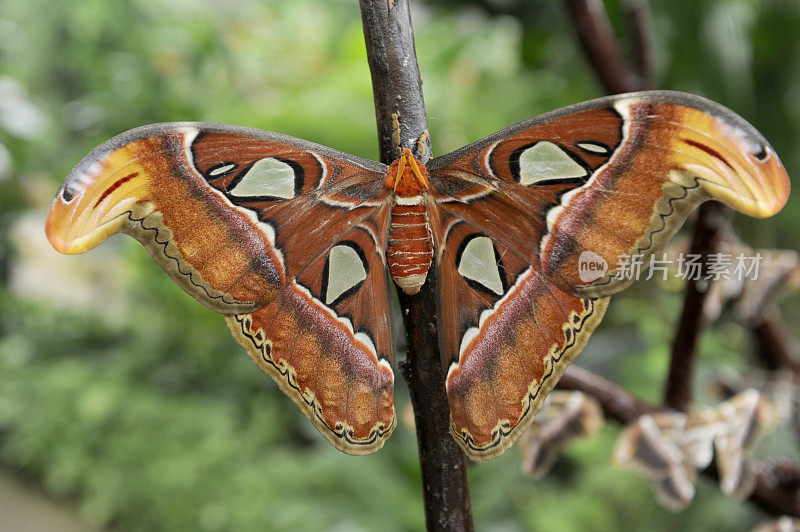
(397, 91)
(396, 83)
(601, 48)
(616, 402)
(712, 219)
(775, 347)
(640, 24)
(777, 488)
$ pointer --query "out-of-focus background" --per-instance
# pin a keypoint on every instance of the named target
(125, 404)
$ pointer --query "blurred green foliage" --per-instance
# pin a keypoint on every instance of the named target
(152, 418)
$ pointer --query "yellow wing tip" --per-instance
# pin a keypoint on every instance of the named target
(736, 165)
(57, 229)
(93, 201)
(759, 196)
(72, 230)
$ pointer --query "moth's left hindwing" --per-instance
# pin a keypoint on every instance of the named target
(284, 236)
(326, 341)
(509, 334)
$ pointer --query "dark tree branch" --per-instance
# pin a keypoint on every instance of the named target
(398, 91)
(777, 488)
(616, 402)
(601, 48)
(712, 219)
(640, 22)
(775, 347)
(445, 482)
(396, 83)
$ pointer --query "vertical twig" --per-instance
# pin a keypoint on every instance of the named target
(640, 22)
(775, 347)
(397, 90)
(711, 220)
(601, 48)
(396, 83)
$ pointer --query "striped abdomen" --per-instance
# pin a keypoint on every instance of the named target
(410, 248)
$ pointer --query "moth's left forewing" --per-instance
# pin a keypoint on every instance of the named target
(214, 205)
(144, 183)
(588, 185)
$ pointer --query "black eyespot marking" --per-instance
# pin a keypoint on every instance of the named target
(761, 154)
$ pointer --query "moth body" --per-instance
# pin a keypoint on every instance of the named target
(410, 249)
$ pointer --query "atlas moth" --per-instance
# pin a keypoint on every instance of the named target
(670, 447)
(565, 417)
(296, 244)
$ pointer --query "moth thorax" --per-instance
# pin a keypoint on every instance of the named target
(406, 176)
(410, 249)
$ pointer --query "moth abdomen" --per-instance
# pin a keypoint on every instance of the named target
(410, 249)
